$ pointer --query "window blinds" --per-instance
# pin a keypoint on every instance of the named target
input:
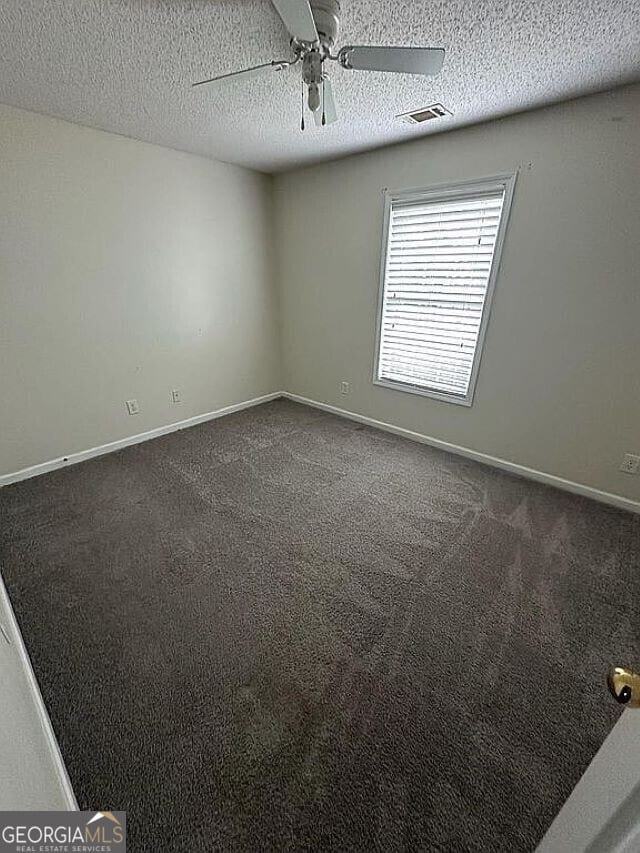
(440, 253)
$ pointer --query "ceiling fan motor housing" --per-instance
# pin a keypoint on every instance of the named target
(326, 14)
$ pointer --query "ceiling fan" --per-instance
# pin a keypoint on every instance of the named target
(313, 27)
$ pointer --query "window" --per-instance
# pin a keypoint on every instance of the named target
(440, 260)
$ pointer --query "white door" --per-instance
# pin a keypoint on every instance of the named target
(602, 814)
(32, 773)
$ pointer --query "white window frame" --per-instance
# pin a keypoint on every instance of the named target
(441, 192)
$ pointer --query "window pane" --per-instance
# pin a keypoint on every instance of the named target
(439, 258)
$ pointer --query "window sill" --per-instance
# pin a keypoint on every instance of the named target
(467, 400)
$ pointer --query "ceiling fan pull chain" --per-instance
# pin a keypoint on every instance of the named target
(302, 107)
(324, 115)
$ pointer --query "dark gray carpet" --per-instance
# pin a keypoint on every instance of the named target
(285, 631)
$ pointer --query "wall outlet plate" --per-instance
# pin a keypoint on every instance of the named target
(132, 407)
(344, 387)
(175, 396)
(630, 463)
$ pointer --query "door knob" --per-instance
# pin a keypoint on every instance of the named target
(624, 685)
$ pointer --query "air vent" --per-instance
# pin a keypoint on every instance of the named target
(425, 114)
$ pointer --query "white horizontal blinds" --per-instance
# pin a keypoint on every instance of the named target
(439, 257)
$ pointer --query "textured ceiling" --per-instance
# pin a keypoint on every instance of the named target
(126, 66)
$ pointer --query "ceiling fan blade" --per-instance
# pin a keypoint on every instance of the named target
(297, 17)
(328, 105)
(402, 60)
(254, 71)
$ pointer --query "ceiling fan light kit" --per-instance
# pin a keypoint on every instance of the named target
(313, 30)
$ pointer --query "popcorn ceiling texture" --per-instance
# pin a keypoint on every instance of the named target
(126, 66)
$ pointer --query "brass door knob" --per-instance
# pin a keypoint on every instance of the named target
(624, 685)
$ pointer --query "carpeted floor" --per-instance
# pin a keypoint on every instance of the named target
(285, 631)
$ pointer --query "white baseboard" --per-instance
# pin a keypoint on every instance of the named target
(496, 462)
(512, 467)
(74, 458)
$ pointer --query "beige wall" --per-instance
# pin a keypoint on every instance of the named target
(126, 270)
(559, 383)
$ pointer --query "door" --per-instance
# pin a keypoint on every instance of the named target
(602, 814)
(32, 773)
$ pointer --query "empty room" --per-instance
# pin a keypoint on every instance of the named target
(319, 426)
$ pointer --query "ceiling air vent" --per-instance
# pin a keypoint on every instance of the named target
(425, 114)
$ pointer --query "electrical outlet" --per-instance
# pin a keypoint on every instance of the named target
(344, 387)
(132, 407)
(630, 463)
(175, 397)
